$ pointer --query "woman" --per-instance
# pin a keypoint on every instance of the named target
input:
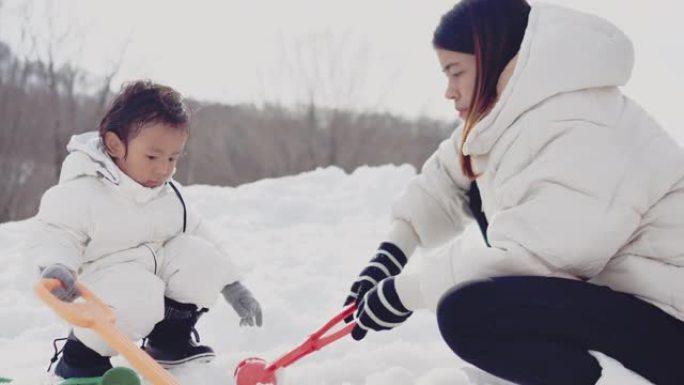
(579, 194)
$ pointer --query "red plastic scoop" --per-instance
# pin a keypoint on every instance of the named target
(254, 370)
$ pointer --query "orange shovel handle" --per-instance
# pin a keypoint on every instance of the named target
(95, 314)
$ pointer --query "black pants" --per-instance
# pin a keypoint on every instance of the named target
(538, 331)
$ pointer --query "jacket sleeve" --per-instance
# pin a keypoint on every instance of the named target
(570, 207)
(60, 229)
(564, 212)
(434, 204)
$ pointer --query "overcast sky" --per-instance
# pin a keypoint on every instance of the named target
(365, 54)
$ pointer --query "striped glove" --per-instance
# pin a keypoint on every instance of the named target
(380, 309)
(388, 262)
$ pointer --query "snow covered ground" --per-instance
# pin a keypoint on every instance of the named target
(300, 241)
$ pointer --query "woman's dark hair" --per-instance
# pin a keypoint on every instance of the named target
(492, 30)
(142, 102)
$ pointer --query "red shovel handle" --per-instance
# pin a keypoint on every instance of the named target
(316, 341)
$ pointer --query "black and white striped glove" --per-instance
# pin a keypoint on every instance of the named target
(380, 309)
(388, 262)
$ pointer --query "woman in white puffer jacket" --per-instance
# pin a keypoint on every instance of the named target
(579, 194)
(118, 222)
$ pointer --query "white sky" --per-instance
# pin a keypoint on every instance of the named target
(244, 50)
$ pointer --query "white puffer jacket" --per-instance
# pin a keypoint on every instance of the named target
(576, 179)
(99, 215)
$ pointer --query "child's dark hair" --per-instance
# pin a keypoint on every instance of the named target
(142, 102)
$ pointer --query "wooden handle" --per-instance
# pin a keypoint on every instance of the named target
(94, 314)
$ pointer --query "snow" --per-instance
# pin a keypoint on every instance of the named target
(300, 241)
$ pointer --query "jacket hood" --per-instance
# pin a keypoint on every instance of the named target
(87, 156)
(563, 50)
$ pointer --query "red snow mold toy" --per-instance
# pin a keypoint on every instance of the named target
(254, 370)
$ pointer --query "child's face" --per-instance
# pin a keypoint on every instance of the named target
(151, 156)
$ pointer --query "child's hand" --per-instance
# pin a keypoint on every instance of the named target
(245, 305)
(68, 292)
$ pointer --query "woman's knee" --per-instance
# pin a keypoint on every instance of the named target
(463, 316)
(464, 303)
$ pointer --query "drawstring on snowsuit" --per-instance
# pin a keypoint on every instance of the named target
(55, 356)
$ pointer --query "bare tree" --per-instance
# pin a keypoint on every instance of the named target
(41, 104)
(13, 112)
(112, 70)
(329, 72)
(1, 4)
(59, 72)
(45, 96)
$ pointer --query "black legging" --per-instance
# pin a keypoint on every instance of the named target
(538, 331)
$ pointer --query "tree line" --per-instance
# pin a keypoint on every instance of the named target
(42, 104)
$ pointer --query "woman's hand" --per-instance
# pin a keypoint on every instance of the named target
(389, 260)
(380, 309)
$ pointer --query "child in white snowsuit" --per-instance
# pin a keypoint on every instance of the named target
(117, 222)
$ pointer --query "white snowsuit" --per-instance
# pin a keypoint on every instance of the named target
(126, 241)
(576, 179)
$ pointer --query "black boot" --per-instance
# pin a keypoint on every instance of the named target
(79, 361)
(170, 343)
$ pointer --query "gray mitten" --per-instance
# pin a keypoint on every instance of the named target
(68, 292)
(245, 305)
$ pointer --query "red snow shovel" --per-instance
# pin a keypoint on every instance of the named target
(254, 370)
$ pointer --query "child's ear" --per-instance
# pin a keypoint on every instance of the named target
(115, 147)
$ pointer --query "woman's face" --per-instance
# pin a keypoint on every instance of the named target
(460, 70)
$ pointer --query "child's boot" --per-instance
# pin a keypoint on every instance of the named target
(79, 361)
(170, 343)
